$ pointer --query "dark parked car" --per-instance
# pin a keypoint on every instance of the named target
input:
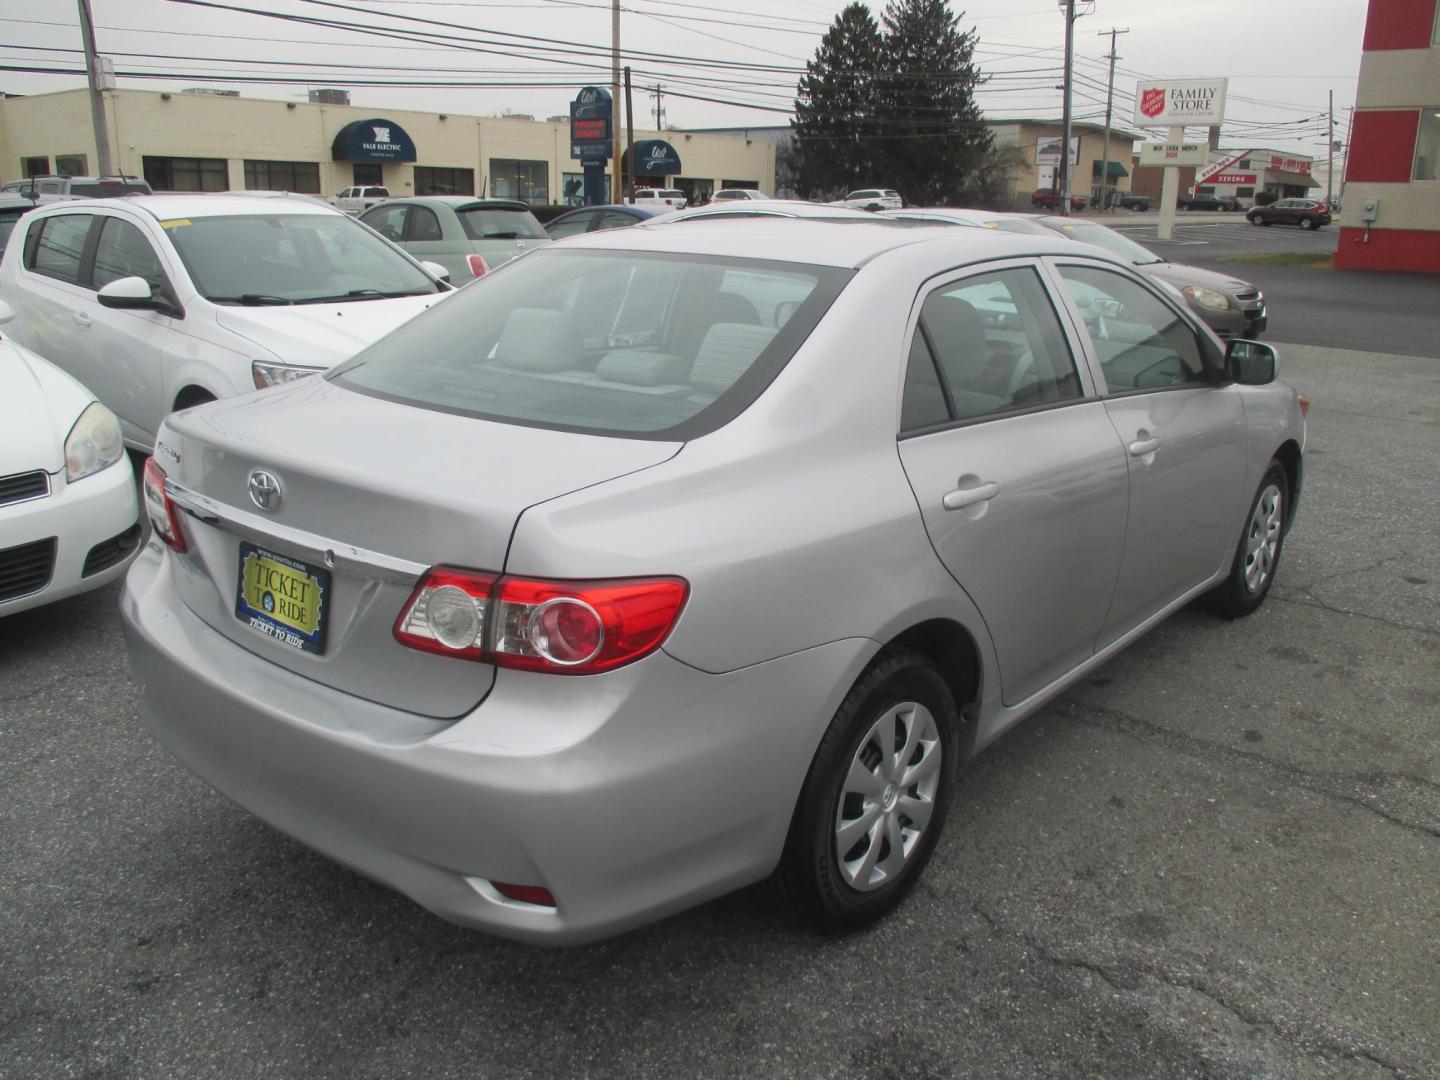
(1307, 213)
(600, 218)
(1133, 202)
(1049, 199)
(1207, 202)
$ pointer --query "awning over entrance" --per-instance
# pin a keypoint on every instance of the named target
(1290, 179)
(1116, 170)
(372, 140)
(654, 157)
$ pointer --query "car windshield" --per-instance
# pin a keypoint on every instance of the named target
(256, 259)
(1087, 232)
(499, 223)
(639, 344)
(1025, 226)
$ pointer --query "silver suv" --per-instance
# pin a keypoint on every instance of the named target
(47, 189)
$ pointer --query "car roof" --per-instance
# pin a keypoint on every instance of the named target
(166, 207)
(776, 208)
(624, 208)
(459, 202)
(12, 202)
(850, 242)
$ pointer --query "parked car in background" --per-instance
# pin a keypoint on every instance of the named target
(767, 208)
(69, 519)
(679, 557)
(1307, 213)
(1206, 202)
(467, 236)
(1128, 201)
(160, 302)
(1049, 199)
(984, 219)
(356, 200)
(48, 189)
(12, 208)
(872, 199)
(670, 198)
(731, 194)
(599, 218)
(1230, 306)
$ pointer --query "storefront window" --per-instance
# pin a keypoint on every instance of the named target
(698, 191)
(1427, 145)
(187, 174)
(431, 180)
(301, 176)
(70, 164)
(35, 166)
(368, 174)
(528, 181)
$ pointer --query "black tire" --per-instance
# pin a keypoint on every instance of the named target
(1307, 223)
(813, 881)
(1239, 594)
(191, 396)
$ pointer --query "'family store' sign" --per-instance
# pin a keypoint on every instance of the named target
(1184, 103)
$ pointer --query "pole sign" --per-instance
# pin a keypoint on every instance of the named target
(1047, 150)
(1172, 153)
(1183, 103)
(590, 125)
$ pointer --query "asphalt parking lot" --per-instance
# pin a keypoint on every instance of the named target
(1218, 856)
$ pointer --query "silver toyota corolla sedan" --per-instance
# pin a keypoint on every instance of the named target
(664, 561)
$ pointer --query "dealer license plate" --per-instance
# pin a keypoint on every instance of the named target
(283, 598)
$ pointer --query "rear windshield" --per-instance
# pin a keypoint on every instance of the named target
(108, 190)
(263, 259)
(500, 223)
(639, 344)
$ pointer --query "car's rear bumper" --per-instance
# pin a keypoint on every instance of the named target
(94, 523)
(629, 795)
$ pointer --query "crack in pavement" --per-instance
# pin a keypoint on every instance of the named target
(1126, 977)
(1319, 783)
(1278, 591)
(1326, 579)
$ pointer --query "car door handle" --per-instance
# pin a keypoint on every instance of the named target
(1141, 447)
(963, 497)
(81, 319)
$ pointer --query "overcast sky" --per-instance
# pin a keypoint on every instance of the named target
(1281, 56)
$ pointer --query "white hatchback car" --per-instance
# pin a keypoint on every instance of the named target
(161, 302)
(69, 519)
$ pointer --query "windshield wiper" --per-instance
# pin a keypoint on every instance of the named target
(359, 294)
(502, 236)
(251, 299)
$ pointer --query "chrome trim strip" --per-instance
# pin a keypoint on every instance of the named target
(333, 554)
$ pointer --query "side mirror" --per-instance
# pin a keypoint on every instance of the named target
(1251, 363)
(6, 312)
(133, 294)
(435, 270)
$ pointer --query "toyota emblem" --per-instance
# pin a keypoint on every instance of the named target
(264, 490)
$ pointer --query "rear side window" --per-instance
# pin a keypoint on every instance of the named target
(424, 225)
(641, 344)
(987, 344)
(388, 221)
(56, 251)
(501, 223)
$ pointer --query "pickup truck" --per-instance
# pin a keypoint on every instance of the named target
(1206, 202)
(1133, 202)
(356, 200)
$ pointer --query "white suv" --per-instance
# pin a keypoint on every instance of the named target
(160, 302)
(671, 197)
(48, 189)
(872, 199)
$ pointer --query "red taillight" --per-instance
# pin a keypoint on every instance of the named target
(159, 509)
(561, 627)
(478, 266)
(525, 894)
(1303, 400)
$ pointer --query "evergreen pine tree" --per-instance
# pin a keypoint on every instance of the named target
(835, 108)
(939, 147)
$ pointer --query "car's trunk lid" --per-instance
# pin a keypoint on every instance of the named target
(369, 493)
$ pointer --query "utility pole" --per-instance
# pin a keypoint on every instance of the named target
(657, 94)
(1069, 6)
(97, 97)
(1109, 101)
(1330, 155)
(614, 97)
(629, 128)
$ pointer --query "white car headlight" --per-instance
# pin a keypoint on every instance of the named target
(93, 444)
(273, 373)
(1207, 298)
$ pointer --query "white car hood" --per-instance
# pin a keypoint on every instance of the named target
(39, 405)
(322, 335)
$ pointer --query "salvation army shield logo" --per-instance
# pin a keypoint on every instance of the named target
(1152, 102)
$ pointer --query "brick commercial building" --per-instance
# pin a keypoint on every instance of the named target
(1392, 182)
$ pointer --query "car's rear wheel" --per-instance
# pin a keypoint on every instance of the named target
(1307, 223)
(1258, 219)
(874, 801)
(1257, 556)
